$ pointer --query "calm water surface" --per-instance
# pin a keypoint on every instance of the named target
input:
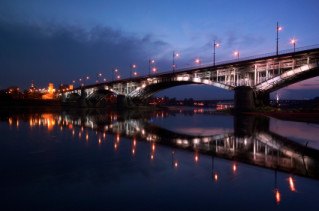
(176, 159)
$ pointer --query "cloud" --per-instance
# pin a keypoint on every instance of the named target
(60, 53)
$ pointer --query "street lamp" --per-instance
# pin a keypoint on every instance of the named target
(98, 77)
(150, 63)
(216, 45)
(278, 28)
(133, 66)
(175, 55)
(197, 61)
(293, 41)
(115, 71)
(236, 53)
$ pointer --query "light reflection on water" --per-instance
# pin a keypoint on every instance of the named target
(160, 159)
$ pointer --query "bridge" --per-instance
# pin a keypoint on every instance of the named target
(251, 78)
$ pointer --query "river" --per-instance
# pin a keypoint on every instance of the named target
(168, 159)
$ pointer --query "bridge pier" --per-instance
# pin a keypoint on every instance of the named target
(246, 99)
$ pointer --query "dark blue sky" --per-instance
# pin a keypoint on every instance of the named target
(60, 41)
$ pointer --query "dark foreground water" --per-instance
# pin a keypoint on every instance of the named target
(180, 159)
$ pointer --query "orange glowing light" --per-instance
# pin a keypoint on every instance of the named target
(196, 158)
(153, 147)
(10, 121)
(292, 184)
(215, 177)
(104, 135)
(87, 137)
(134, 142)
(118, 137)
(277, 196)
(234, 167)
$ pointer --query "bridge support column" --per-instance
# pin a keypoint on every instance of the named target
(83, 98)
(244, 99)
(124, 102)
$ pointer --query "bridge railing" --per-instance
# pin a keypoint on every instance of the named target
(259, 56)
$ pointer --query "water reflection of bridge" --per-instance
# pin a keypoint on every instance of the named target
(250, 141)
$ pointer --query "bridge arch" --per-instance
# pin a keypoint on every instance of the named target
(147, 90)
(289, 77)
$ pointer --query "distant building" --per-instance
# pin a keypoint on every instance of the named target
(50, 93)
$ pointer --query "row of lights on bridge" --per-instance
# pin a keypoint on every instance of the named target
(153, 69)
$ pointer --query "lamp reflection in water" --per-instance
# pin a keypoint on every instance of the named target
(214, 172)
(152, 156)
(234, 167)
(292, 184)
(276, 190)
(134, 146)
(174, 160)
(196, 157)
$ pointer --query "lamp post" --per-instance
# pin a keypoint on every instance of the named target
(278, 28)
(174, 55)
(236, 53)
(133, 66)
(293, 41)
(216, 45)
(98, 77)
(150, 63)
(197, 61)
(115, 71)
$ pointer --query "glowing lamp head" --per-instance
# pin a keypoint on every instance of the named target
(133, 65)
(197, 61)
(293, 41)
(154, 69)
(236, 53)
(217, 45)
(118, 77)
(279, 28)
